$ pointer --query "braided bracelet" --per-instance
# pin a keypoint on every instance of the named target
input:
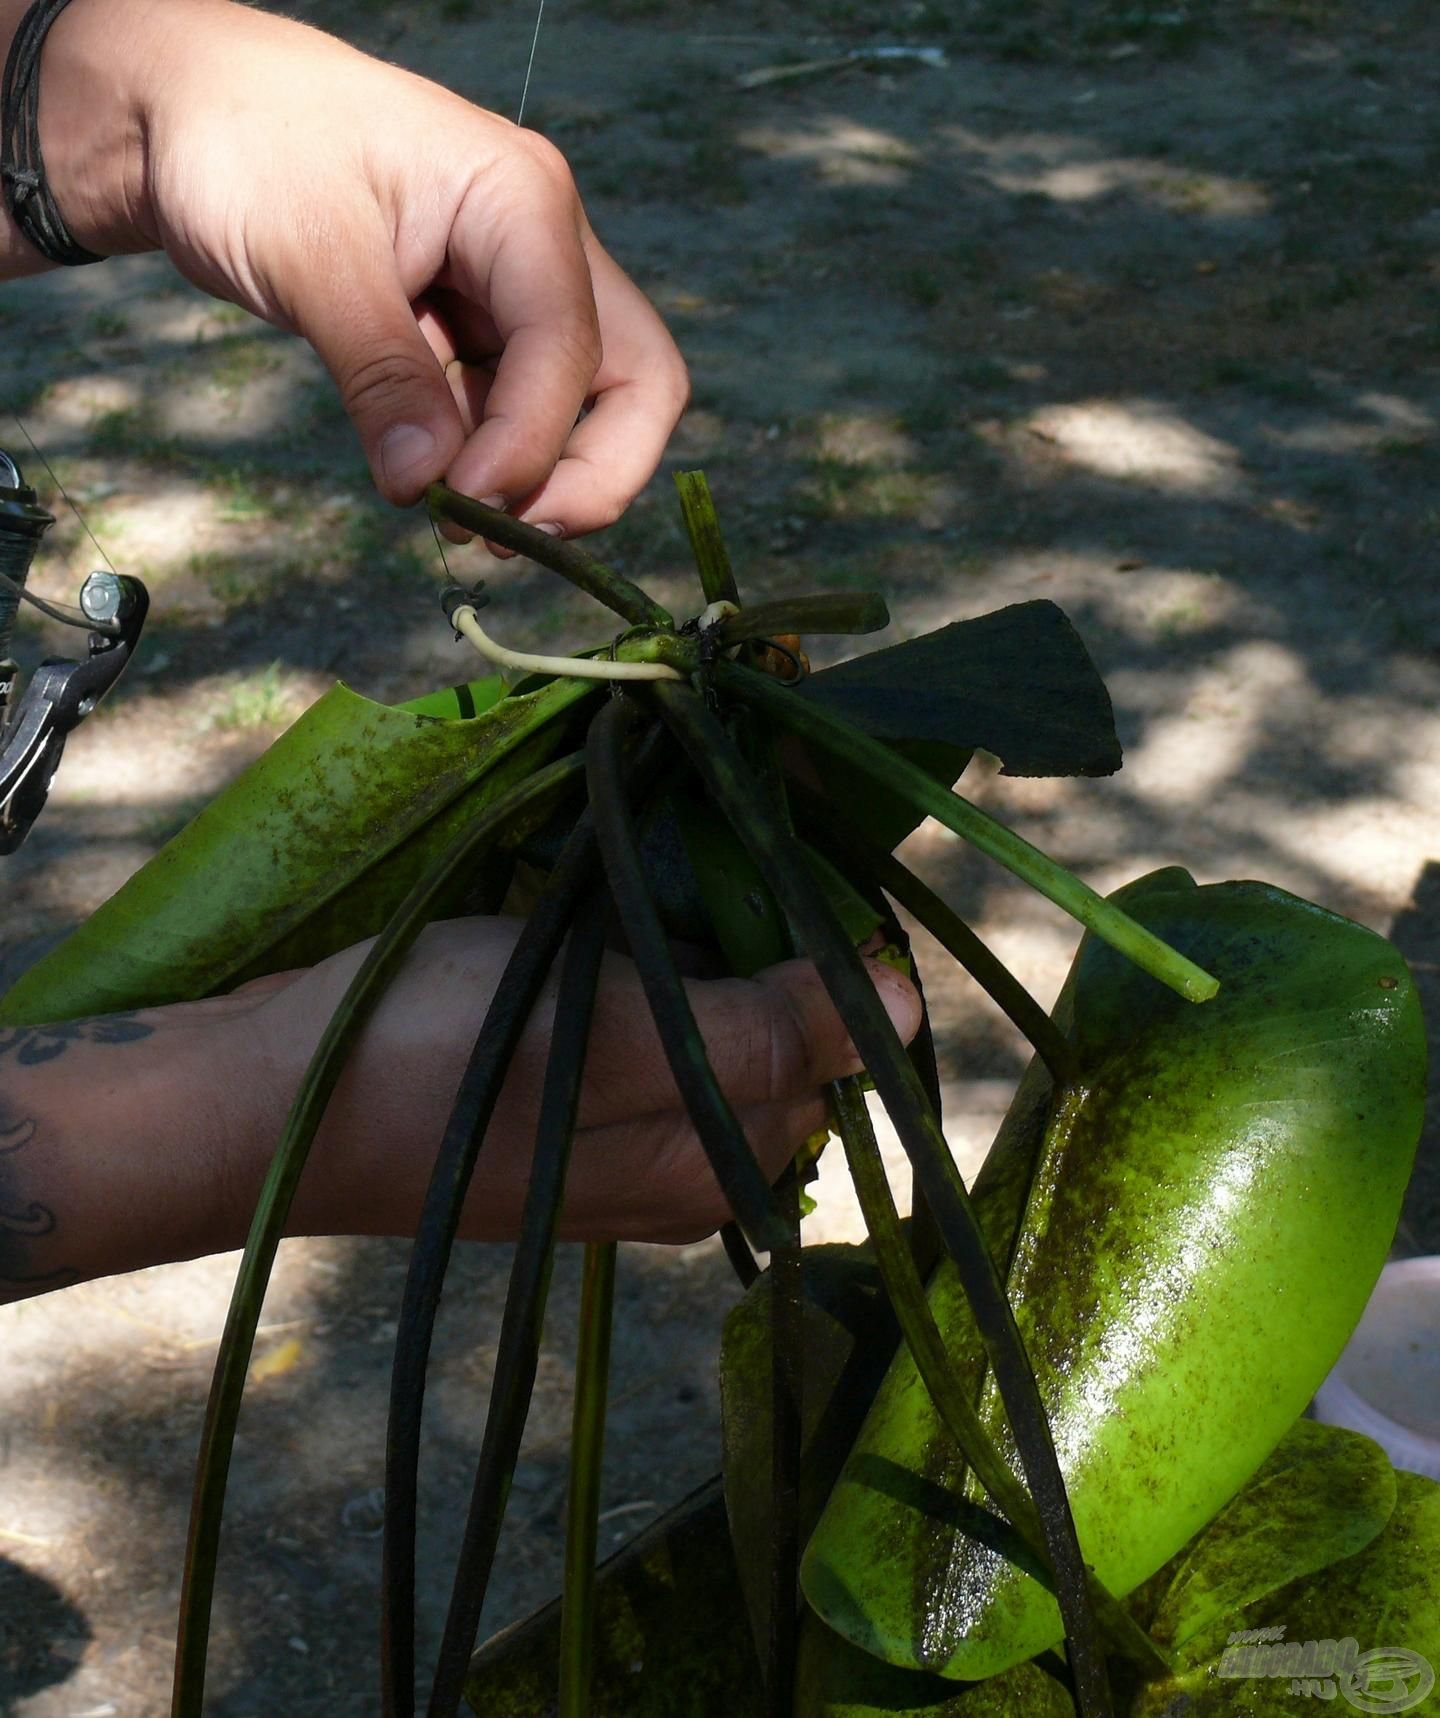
(22, 169)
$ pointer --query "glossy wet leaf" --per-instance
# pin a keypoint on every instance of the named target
(837, 1680)
(1322, 1494)
(307, 851)
(1363, 1633)
(1191, 1235)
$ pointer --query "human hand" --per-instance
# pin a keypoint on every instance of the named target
(132, 1139)
(437, 257)
(637, 1170)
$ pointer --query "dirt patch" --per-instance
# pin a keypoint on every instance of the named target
(1134, 309)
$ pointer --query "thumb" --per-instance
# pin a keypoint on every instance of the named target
(391, 385)
(808, 1042)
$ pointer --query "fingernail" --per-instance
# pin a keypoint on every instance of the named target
(407, 455)
(495, 501)
(551, 530)
(899, 998)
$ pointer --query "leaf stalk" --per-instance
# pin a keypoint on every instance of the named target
(898, 775)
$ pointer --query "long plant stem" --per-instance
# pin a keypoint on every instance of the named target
(233, 1359)
(819, 933)
(927, 1248)
(505, 1019)
(568, 559)
(587, 1451)
(720, 1133)
(947, 1390)
(518, 1351)
(954, 936)
(807, 719)
(787, 1287)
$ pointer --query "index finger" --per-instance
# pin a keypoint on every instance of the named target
(535, 284)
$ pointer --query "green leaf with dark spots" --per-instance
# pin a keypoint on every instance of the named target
(1197, 1226)
(1363, 1633)
(307, 851)
(837, 1680)
(458, 703)
(1322, 1494)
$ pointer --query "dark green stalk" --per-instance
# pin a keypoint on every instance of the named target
(948, 1391)
(953, 934)
(712, 559)
(568, 559)
(818, 933)
(907, 1296)
(745, 1188)
(787, 1332)
(233, 1359)
(587, 1452)
(523, 1322)
(742, 1260)
(479, 1090)
(927, 1248)
(806, 718)
(839, 612)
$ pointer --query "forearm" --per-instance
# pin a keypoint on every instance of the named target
(124, 1141)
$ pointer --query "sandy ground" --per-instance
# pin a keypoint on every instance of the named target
(1116, 307)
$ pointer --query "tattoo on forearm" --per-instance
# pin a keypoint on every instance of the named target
(23, 1219)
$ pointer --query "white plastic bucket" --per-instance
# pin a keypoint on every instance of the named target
(1387, 1382)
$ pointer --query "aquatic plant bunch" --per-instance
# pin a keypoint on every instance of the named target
(1059, 1379)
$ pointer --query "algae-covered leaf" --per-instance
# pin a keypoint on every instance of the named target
(1322, 1494)
(1199, 1222)
(1363, 1633)
(1017, 682)
(303, 853)
(458, 703)
(836, 1680)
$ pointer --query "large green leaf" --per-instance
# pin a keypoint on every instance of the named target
(1321, 1494)
(1196, 1226)
(836, 1680)
(1363, 1633)
(307, 851)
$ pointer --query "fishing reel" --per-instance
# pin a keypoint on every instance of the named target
(61, 692)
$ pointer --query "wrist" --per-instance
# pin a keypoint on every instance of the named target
(98, 68)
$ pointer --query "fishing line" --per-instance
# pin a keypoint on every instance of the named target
(439, 542)
(530, 66)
